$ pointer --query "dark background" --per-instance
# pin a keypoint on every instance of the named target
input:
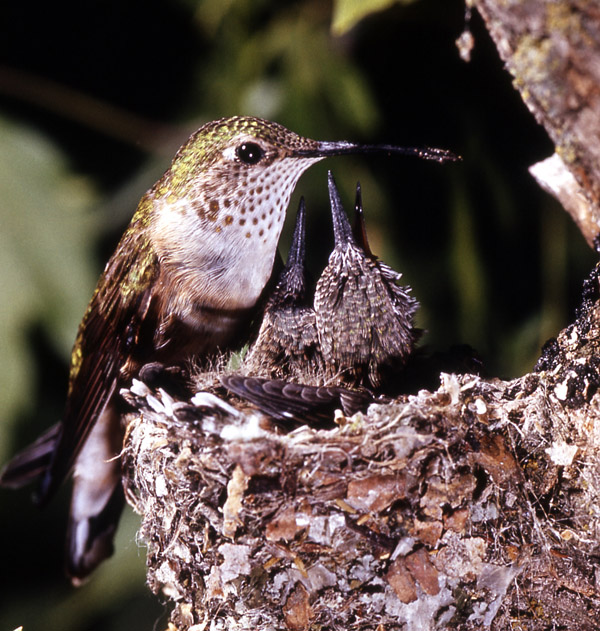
(110, 89)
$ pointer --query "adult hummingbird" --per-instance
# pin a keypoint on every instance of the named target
(182, 283)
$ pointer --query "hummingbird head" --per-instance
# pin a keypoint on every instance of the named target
(222, 204)
(220, 208)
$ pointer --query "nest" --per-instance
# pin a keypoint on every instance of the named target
(472, 506)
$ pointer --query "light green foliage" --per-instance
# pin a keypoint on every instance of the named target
(347, 13)
(236, 359)
(45, 245)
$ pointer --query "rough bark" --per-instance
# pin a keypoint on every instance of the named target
(473, 506)
(552, 50)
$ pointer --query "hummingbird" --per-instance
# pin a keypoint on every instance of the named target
(364, 317)
(183, 283)
(287, 344)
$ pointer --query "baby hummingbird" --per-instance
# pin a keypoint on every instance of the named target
(287, 344)
(364, 316)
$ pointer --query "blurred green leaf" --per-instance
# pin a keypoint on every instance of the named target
(470, 283)
(45, 242)
(283, 66)
(347, 13)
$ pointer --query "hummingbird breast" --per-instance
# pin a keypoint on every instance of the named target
(220, 239)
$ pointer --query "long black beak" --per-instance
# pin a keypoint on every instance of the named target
(359, 228)
(342, 232)
(297, 253)
(340, 148)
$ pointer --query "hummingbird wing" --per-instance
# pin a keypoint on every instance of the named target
(104, 348)
(29, 464)
(287, 401)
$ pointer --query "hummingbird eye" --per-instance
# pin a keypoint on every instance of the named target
(249, 152)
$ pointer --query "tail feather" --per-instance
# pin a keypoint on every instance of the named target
(97, 498)
(90, 538)
(31, 463)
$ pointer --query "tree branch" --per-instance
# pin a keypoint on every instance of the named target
(552, 50)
